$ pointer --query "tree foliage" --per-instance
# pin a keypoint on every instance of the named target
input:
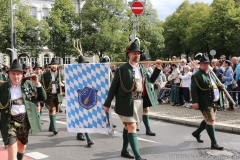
(200, 27)
(62, 22)
(31, 35)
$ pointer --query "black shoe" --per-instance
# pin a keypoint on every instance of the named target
(140, 158)
(216, 147)
(50, 129)
(150, 133)
(55, 132)
(159, 101)
(127, 154)
(174, 104)
(114, 126)
(89, 142)
(197, 137)
(138, 129)
(60, 111)
(80, 137)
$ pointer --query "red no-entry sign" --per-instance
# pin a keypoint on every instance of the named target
(137, 8)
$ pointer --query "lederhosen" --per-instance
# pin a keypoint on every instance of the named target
(19, 126)
(53, 98)
(138, 104)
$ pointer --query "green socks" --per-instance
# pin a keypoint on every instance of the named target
(53, 121)
(211, 132)
(20, 156)
(87, 136)
(145, 119)
(125, 140)
(132, 138)
(200, 128)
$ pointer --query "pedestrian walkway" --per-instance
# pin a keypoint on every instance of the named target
(225, 121)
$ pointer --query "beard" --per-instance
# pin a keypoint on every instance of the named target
(135, 60)
(53, 69)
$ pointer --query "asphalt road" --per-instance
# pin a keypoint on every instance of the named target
(171, 142)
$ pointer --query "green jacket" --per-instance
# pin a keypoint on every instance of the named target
(46, 80)
(124, 99)
(3, 78)
(30, 104)
(202, 92)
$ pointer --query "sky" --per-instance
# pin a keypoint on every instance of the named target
(167, 7)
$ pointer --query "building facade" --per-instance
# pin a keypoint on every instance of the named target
(40, 10)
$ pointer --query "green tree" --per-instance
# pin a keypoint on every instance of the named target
(62, 23)
(104, 28)
(224, 32)
(31, 35)
(151, 30)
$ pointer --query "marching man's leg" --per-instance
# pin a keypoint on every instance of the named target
(145, 119)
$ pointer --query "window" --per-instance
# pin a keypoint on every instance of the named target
(45, 13)
(58, 60)
(46, 59)
(67, 60)
(34, 12)
(23, 60)
(33, 60)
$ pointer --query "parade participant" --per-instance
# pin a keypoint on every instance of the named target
(26, 69)
(51, 84)
(147, 103)
(206, 98)
(130, 83)
(80, 136)
(46, 68)
(19, 111)
(4, 73)
(37, 71)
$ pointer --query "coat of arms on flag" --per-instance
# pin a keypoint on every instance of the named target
(86, 88)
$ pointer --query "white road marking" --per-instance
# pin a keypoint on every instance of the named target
(36, 155)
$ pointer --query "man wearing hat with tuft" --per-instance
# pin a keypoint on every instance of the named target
(227, 78)
(18, 110)
(46, 67)
(80, 136)
(147, 103)
(26, 69)
(129, 84)
(37, 70)
(51, 84)
(206, 97)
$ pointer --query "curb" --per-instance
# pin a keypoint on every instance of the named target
(218, 126)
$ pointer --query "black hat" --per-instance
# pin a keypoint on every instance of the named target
(5, 68)
(25, 66)
(37, 65)
(143, 57)
(46, 66)
(204, 58)
(133, 48)
(81, 59)
(54, 61)
(228, 62)
(104, 60)
(16, 66)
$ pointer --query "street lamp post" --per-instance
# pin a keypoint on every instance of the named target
(13, 55)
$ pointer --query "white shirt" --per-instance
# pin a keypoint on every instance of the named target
(54, 90)
(215, 91)
(136, 69)
(16, 93)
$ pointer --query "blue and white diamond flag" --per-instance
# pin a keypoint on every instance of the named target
(86, 87)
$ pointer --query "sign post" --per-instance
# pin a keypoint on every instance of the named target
(213, 53)
(137, 8)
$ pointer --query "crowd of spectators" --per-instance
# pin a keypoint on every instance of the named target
(175, 81)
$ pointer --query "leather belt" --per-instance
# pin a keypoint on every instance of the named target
(18, 101)
(137, 95)
(21, 118)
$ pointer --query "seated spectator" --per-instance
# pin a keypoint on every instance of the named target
(164, 91)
